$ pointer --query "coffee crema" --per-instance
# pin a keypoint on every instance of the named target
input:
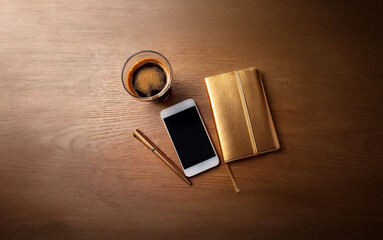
(147, 77)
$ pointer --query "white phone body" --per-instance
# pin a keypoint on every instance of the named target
(188, 165)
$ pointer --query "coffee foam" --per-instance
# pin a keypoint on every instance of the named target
(149, 79)
(142, 88)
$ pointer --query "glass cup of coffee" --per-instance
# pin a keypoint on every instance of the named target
(147, 76)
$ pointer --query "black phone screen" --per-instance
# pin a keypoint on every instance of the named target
(189, 137)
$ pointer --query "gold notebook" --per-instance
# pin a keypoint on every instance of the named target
(241, 113)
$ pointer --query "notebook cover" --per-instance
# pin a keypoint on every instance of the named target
(241, 113)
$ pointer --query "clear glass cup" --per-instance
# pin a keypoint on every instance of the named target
(137, 60)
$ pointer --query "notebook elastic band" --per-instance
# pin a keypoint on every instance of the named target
(246, 111)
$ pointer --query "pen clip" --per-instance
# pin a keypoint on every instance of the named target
(144, 140)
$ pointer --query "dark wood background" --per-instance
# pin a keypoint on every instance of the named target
(70, 168)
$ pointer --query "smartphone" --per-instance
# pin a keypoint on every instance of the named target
(189, 137)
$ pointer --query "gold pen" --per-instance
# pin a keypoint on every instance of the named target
(149, 144)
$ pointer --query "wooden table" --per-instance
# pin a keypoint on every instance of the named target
(70, 168)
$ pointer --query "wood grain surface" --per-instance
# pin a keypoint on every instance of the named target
(70, 168)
